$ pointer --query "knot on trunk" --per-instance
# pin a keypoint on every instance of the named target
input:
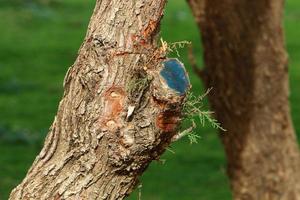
(150, 116)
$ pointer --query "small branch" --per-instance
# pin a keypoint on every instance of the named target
(186, 132)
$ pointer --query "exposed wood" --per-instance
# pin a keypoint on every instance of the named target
(117, 114)
(246, 64)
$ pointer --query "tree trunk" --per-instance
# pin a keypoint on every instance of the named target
(117, 113)
(246, 64)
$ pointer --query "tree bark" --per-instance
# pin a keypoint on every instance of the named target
(117, 113)
(246, 64)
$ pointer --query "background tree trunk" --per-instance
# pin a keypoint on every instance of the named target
(246, 64)
(117, 114)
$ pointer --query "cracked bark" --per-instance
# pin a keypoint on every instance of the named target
(246, 64)
(108, 127)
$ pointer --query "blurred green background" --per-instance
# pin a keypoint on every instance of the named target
(39, 40)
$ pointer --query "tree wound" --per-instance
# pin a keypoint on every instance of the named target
(175, 76)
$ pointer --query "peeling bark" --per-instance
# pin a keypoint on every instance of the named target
(246, 64)
(112, 120)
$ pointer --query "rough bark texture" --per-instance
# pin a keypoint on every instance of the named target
(116, 115)
(246, 64)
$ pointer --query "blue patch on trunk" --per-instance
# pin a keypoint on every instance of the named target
(175, 75)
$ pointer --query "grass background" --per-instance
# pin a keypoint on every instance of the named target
(38, 43)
